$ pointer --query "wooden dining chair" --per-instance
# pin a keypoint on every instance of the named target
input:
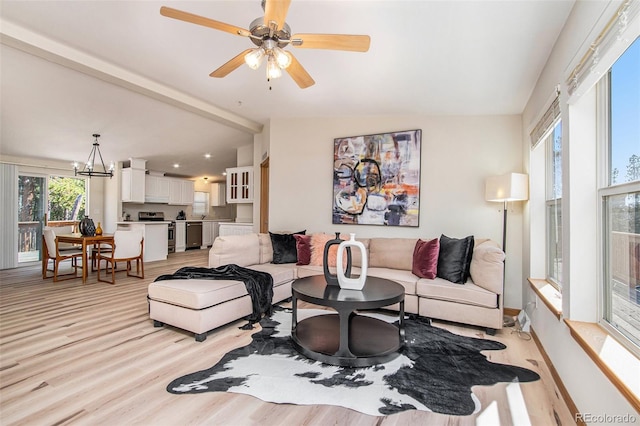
(127, 246)
(53, 252)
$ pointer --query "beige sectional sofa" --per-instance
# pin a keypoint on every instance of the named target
(202, 305)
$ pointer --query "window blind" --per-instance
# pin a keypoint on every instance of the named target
(613, 31)
(547, 121)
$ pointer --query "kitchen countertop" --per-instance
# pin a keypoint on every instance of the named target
(137, 222)
(205, 220)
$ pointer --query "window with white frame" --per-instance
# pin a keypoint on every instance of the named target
(547, 136)
(200, 203)
(620, 196)
(553, 217)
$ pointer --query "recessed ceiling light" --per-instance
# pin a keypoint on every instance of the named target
(224, 173)
(207, 155)
(176, 165)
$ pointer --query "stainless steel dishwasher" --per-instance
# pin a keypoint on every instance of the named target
(194, 235)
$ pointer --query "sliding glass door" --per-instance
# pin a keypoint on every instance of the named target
(61, 199)
(31, 210)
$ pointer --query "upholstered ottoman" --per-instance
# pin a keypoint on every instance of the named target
(198, 305)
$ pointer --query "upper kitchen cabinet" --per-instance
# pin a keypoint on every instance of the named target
(133, 182)
(217, 194)
(156, 189)
(240, 185)
(181, 192)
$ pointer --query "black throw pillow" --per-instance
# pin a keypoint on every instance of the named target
(284, 247)
(454, 259)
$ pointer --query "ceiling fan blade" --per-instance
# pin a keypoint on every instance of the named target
(200, 20)
(299, 74)
(354, 43)
(276, 10)
(230, 66)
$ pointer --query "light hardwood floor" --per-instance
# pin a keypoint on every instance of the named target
(89, 354)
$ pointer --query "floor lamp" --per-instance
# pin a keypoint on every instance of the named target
(505, 188)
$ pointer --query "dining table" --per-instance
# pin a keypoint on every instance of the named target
(85, 241)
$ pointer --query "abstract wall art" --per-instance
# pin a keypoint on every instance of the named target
(376, 179)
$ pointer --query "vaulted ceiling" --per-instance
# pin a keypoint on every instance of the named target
(73, 68)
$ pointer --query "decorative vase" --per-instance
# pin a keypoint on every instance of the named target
(87, 227)
(98, 229)
(345, 281)
(332, 279)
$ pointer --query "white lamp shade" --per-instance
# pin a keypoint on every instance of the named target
(508, 187)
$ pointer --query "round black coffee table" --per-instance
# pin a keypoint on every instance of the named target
(347, 338)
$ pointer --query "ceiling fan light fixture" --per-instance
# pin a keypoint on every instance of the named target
(254, 58)
(282, 58)
(273, 70)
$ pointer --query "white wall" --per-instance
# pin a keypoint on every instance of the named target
(458, 153)
(585, 22)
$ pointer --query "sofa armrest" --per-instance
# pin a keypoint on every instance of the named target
(242, 250)
(487, 267)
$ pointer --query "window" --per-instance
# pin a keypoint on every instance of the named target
(200, 203)
(620, 197)
(553, 222)
(67, 198)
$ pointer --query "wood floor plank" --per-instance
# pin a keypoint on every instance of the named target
(86, 354)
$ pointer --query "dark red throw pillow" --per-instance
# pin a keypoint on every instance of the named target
(303, 247)
(425, 258)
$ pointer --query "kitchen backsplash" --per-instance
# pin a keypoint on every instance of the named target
(170, 212)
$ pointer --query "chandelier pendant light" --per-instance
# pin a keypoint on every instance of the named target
(90, 168)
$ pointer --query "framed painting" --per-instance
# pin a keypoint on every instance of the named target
(376, 179)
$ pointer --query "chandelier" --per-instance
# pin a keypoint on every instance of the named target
(277, 58)
(90, 168)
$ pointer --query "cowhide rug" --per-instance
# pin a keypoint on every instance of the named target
(435, 372)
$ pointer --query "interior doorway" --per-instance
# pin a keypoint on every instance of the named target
(264, 196)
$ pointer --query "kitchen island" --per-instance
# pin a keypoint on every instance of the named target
(155, 238)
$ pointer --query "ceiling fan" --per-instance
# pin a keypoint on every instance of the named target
(271, 34)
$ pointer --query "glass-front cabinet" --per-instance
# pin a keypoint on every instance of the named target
(240, 185)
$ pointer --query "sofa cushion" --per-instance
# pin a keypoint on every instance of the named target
(303, 248)
(196, 293)
(468, 293)
(284, 247)
(487, 266)
(394, 253)
(266, 248)
(454, 258)
(425, 258)
(405, 278)
(281, 273)
(318, 241)
(243, 250)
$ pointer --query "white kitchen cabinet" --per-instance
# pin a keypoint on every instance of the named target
(218, 194)
(156, 189)
(133, 186)
(181, 235)
(207, 234)
(181, 192)
(175, 191)
(188, 190)
(240, 185)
